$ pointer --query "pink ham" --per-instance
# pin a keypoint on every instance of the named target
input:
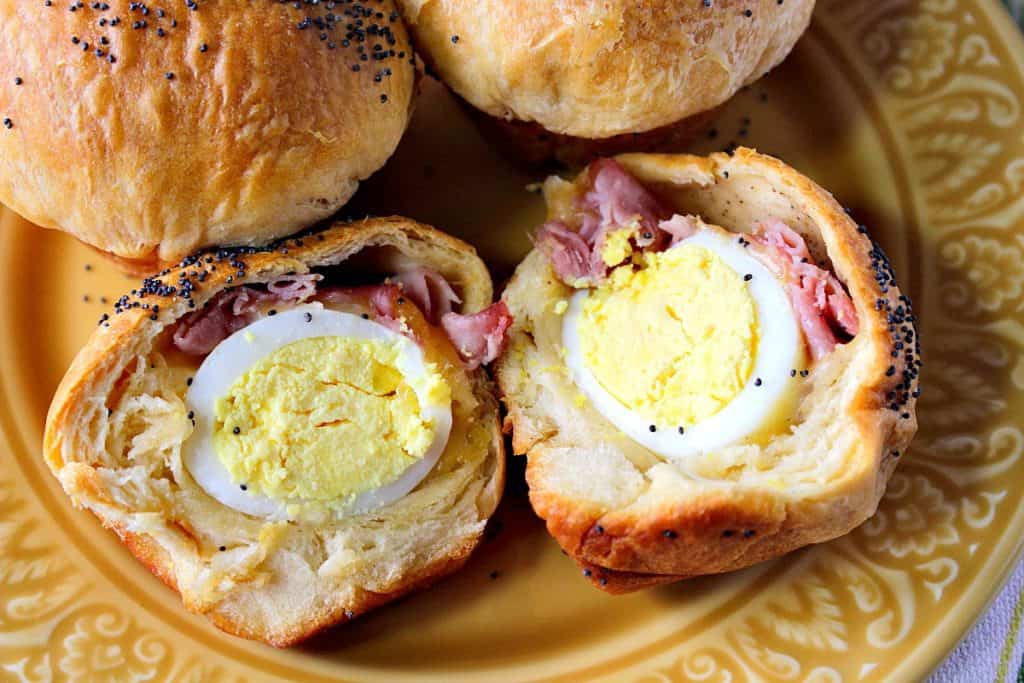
(840, 307)
(481, 337)
(615, 200)
(245, 300)
(199, 333)
(295, 287)
(568, 251)
(821, 339)
(429, 291)
(822, 305)
(381, 298)
(679, 228)
(426, 288)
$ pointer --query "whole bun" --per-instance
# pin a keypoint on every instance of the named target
(599, 70)
(148, 133)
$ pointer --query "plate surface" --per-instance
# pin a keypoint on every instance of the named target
(910, 112)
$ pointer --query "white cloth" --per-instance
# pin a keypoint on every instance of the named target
(993, 649)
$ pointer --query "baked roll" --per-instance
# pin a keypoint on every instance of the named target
(292, 436)
(711, 365)
(576, 79)
(148, 133)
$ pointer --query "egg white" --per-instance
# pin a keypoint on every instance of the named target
(778, 353)
(233, 357)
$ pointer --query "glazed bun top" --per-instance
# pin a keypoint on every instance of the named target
(148, 131)
(598, 69)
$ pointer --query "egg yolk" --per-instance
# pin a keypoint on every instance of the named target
(674, 341)
(324, 419)
(616, 247)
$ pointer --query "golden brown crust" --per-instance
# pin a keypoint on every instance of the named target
(534, 146)
(158, 562)
(95, 372)
(596, 70)
(620, 583)
(366, 601)
(134, 267)
(721, 528)
(176, 146)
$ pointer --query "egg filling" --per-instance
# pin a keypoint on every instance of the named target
(689, 349)
(684, 364)
(324, 419)
(315, 412)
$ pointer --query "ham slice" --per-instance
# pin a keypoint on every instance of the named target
(295, 287)
(198, 333)
(429, 291)
(426, 288)
(481, 337)
(382, 300)
(822, 306)
(615, 200)
(570, 254)
(679, 228)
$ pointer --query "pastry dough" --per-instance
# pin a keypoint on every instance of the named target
(116, 427)
(596, 70)
(630, 517)
(229, 124)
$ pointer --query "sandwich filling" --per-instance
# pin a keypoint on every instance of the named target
(317, 401)
(688, 337)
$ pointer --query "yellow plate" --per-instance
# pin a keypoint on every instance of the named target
(910, 112)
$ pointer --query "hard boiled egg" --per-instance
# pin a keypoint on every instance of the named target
(695, 349)
(315, 411)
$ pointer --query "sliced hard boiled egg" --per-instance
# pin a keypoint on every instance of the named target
(315, 411)
(697, 349)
